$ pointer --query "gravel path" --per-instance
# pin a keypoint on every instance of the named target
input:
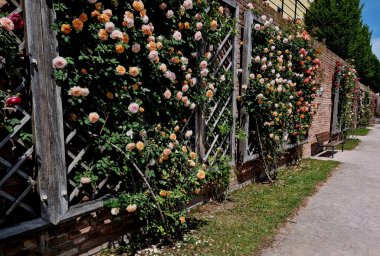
(343, 217)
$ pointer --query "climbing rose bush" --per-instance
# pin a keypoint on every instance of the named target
(132, 72)
(283, 84)
(346, 81)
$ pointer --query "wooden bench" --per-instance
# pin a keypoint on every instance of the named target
(330, 143)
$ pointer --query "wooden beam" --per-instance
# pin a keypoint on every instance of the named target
(22, 229)
(246, 61)
(47, 109)
(334, 119)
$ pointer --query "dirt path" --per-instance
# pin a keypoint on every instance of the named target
(343, 218)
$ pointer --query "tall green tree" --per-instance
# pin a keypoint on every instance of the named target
(339, 24)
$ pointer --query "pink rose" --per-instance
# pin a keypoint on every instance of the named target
(7, 24)
(179, 95)
(188, 76)
(93, 117)
(204, 72)
(198, 16)
(185, 99)
(203, 64)
(177, 35)
(153, 55)
(59, 62)
(110, 27)
(188, 4)
(108, 12)
(185, 88)
(169, 14)
(167, 94)
(116, 34)
(163, 6)
(133, 108)
(199, 25)
(198, 36)
(136, 48)
(167, 151)
(163, 67)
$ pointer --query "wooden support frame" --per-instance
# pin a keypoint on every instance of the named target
(48, 123)
(200, 120)
(334, 119)
(47, 110)
(243, 145)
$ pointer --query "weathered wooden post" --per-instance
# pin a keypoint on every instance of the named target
(334, 121)
(47, 109)
(247, 56)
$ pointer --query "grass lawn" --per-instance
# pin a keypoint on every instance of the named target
(350, 144)
(249, 220)
(361, 131)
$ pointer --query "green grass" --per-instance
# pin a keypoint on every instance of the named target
(350, 144)
(247, 223)
(361, 131)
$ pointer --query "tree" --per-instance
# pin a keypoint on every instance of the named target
(339, 24)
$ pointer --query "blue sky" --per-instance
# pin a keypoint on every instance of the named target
(371, 16)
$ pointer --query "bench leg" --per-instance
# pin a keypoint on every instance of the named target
(333, 152)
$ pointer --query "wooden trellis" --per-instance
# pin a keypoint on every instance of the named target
(211, 141)
(18, 195)
(247, 146)
(61, 150)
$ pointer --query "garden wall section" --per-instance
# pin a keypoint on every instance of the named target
(89, 234)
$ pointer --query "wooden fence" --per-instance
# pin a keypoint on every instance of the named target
(59, 150)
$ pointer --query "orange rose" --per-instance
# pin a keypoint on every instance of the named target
(184, 149)
(138, 6)
(133, 71)
(109, 95)
(83, 71)
(141, 110)
(120, 70)
(103, 18)
(78, 24)
(193, 155)
(152, 46)
(213, 25)
(120, 48)
(140, 145)
(187, 25)
(83, 17)
(197, 190)
(125, 38)
(95, 14)
(173, 136)
(103, 35)
(209, 94)
(180, 26)
(163, 193)
(98, 6)
(182, 219)
(66, 29)
(176, 128)
(129, 15)
(201, 174)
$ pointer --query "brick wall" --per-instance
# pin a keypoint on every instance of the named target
(88, 235)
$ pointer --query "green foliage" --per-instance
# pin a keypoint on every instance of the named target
(283, 84)
(339, 24)
(131, 88)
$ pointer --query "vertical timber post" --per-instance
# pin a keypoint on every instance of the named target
(47, 109)
(247, 56)
(235, 84)
(334, 122)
